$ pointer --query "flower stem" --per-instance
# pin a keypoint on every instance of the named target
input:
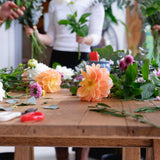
(79, 52)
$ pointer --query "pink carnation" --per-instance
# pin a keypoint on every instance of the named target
(128, 59)
(36, 90)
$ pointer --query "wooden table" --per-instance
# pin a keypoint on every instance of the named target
(74, 125)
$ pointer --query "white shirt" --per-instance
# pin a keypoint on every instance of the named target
(63, 40)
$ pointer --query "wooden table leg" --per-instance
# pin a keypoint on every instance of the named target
(156, 149)
(149, 154)
(25, 153)
(131, 153)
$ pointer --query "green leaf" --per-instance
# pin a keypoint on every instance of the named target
(29, 101)
(51, 107)
(64, 22)
(8, 23)
(147, 109)
(83, 31)
(147, 90)
(12, 101)
(73, 90)
(6, 109)
(103, 104)
(106, 52)
(131, 73)
(83, 19)
(150, 11)
(145, 70)
(155, 79)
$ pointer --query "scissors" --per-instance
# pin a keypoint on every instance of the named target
(32, 116)
(6, 116)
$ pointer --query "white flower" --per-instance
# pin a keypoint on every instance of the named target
(62, 2)
(66, 72)
(33, 72)
(2, 92)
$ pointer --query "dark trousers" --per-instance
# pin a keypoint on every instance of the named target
(68, 59)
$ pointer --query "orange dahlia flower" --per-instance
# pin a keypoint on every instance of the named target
(96, 83)
(49, 80)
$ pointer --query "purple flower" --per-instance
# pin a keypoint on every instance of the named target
(122, 65)
(79, 77)
(128, 59)
(35, 90)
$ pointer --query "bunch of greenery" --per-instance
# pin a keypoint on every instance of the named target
(78, 26)
(150, 9)
(12, 79)
(126, 84)
(32, 13)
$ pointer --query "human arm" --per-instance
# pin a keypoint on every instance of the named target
(7, 10)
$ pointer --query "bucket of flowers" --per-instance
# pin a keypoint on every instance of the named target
(150, 9)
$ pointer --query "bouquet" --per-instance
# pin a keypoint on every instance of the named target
(151, 11)
(32, 13)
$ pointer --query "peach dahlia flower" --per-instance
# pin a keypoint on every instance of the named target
(96, 83)
(49, 80)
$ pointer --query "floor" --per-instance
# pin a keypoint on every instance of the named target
(42, 153)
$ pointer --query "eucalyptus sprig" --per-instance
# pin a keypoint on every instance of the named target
(78, 26)
(106, 109)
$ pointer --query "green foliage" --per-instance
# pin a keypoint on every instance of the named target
(108, 8)
(106, 109)
(12, 78)
(147, 90)
(147, 109)
(126, 83)
(79, 26)
(145, 70)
